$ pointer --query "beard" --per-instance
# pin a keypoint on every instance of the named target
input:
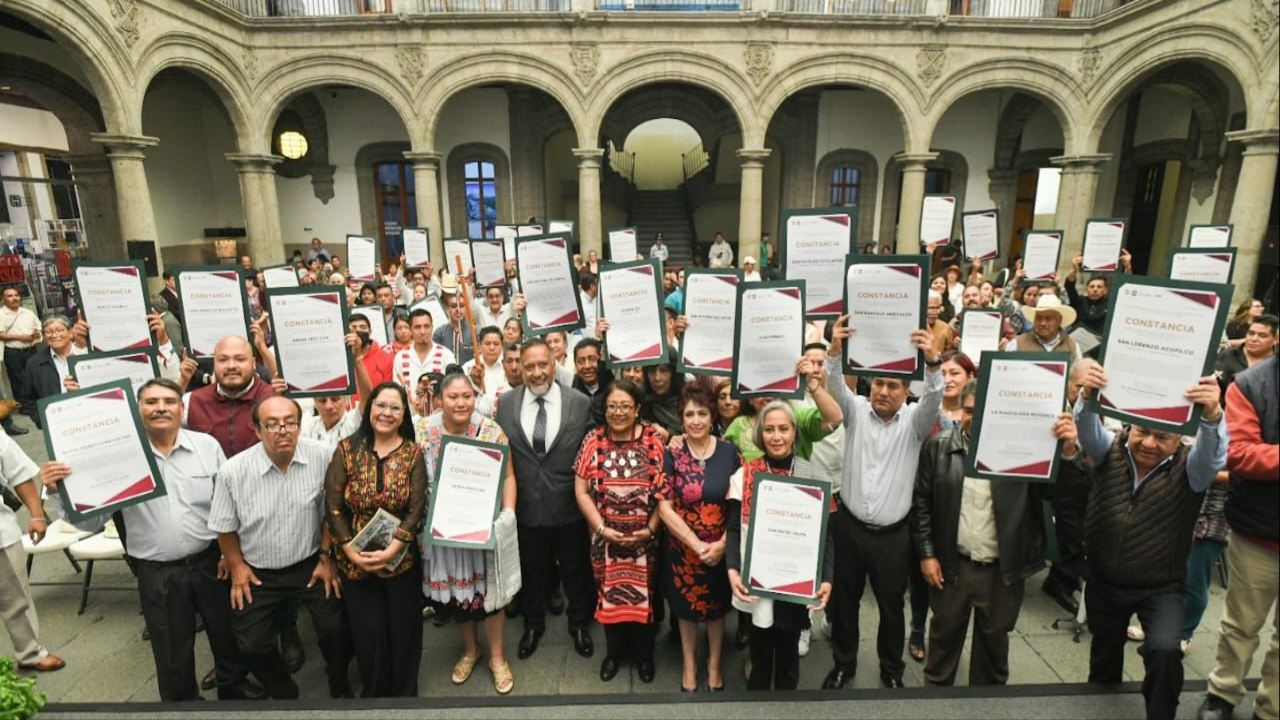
(539, 390)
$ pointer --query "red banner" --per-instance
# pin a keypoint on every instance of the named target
(11, 269)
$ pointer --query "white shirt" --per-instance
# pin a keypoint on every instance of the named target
(485, 317)
(62, 366)
(720, 256)
(19, 322)
(976, 536)
(276, 515)
(313, 428)
(495, 384)
(659, 251)
(407, 366)
(529, 413)
(590, 313)
(15, 469)
(751, 276)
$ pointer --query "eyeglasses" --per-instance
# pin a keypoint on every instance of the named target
(388, 408)
(277, 428)
(620, 408)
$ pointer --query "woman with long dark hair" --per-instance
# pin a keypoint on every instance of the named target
(381, 467)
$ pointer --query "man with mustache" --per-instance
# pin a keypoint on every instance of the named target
(175, 554)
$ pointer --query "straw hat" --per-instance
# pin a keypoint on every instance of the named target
(748, 260)
(1049, 302)
(448, 284)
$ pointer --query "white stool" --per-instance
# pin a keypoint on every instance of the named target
(60, 536)
(105, 545)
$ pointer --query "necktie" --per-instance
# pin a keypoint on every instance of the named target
(540, 427)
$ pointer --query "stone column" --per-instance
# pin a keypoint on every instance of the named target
(97, 195)
(1002, 187)
(911, 201)
(426, 195)
(751, 203)
(589, 220)
(1076, 189)
(133, 196)
(1251, 207)
(261, 207)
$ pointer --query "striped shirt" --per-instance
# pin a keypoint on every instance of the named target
(277, 515)
(407, 366)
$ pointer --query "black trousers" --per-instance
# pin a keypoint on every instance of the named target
(1069, 502)
(171, 596)
(1160, 610)
(775, 659)
(258, 635)
(540, 548)
(385, 616)
(15, 362)
(630, 640)
(882, 557)
(919, 593)
(976, 589)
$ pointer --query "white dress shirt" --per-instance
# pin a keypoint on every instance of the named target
(15, 469)
(976, 536)
(529, 413)
(19, 322)
(313, 428)
(485, 317)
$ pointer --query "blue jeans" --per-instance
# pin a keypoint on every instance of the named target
(1204, 553)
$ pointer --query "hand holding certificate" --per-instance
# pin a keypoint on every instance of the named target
(1020, 396)
(1040, 254)
(214, 305)
(490, 262)
(768, 340)
(1103, 241)
(786, 537)
(310, 327)
(886, 297)
(631, 300)
(113, 298)
(711, 307)
(981, 234)
(466, 493)
(417, 248)
(622, 245)
(101, 453)
(937, 217)
(814, 246)
(135, 366)
(362, 258)
(546, 280)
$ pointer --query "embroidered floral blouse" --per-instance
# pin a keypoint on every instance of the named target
(358, 483)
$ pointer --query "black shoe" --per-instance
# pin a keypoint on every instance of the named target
(210, 680)
(891, 682)
(1214, 708)
(242, 690)
(645, 670)
(291, 650)
(13, 429)
(608, 669)
(529, 643)
(555, 603)
(443, 616)
(836, 679)
(1061, 594)
(146, 634)
(743, 636)
(582, 642)
(341, 694)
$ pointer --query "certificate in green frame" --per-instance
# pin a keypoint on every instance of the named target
(567, 322)
(717, 366)
(659, 352)
(188, 325)
(780, 389)
(473, 539)
(915, 268)
(1040, 470)
(339, 298)
(804, 589)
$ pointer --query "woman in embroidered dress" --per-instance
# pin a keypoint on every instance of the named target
(619, 470)
(381, 467)
(455, 579)
(776, 626)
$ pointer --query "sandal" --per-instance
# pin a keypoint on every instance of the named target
(503, 680)
(463, 668)
(916, 646)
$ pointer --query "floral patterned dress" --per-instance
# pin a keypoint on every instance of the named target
(454, 576)
(623, 479)
(696, 591)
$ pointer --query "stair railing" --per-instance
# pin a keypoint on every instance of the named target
(623, 163)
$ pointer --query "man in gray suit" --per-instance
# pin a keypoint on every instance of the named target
(545, 423)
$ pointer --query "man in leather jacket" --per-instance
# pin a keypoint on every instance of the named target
(978, 542)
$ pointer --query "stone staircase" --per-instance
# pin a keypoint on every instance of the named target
(666, 212)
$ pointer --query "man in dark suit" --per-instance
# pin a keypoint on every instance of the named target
(170, 295)
(545, 423)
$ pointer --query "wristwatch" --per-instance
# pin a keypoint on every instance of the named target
(327, 552)
(600, 531)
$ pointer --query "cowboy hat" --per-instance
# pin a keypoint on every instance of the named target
(1049, 302)
(448, 284)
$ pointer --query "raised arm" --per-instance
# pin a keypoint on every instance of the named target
(1209, 454)
(926, 411)
(1094, 438)
(836, 385)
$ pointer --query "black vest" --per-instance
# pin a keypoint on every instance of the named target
(1252, 503)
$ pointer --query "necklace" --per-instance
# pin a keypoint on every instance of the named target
(698, 455)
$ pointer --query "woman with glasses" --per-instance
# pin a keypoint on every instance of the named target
(619, 472)
(455, 579)
(381, 467)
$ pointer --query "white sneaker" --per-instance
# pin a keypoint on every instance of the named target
(804, 643)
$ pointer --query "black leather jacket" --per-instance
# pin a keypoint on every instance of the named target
(935, 512)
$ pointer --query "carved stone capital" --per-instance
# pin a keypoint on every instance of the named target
(915, 162)
(1257, 142)
(1081, 163)
(132, 147)
(589, 157)
(753, 157)
(423, 158)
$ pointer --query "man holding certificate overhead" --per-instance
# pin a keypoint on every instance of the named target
(978, 540)
(882, 449)
(1146, 489)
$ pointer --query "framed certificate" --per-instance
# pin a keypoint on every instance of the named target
(1019, 398)
(561, 226)
(310, 327)
(362, 258)
(97, 431)
(768, 339)
(135, 366)
(417, 247)
(279, 276)
(1210, 236)
(507, 234)
(814, 246)
(886, 297)
(980, 332)
(1161, 337)
(113, 298)
(631, 300)
(457, 250)
(489, 258)
(530, 230)
(377, 325)
(981, 234)
(1211, 265)
(466, 493)
(711, 307)
(622, 245)
(214, 306)
(546, 279)
(937, 218)
(786, 537)
(1040, 254)
(1103, 241)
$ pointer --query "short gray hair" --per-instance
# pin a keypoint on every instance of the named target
(63, 319)
(757, 432)
(970, 388)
